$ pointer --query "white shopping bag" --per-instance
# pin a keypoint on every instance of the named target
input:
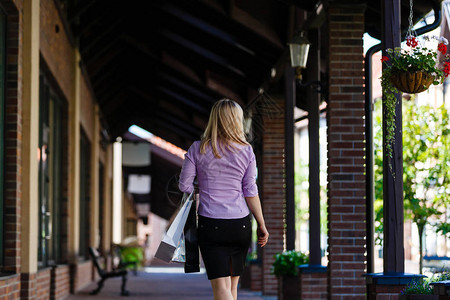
(173, 235)
(180, 252)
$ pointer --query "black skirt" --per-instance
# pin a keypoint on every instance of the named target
(224, 245)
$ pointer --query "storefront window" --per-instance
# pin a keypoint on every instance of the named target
(50, 174)
(84, 195)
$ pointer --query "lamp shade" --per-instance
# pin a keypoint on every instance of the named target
(139, 184)
(299, 48)
(135, 154)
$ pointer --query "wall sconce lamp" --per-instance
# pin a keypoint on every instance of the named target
(299, 48)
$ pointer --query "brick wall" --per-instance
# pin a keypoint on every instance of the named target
(273, 194)
(56, 48)
(60, 282)
(43, 284)
(384, 292)
(313, 286)
(255, 285)
(28, 289)
(10, 288)
(80, 275)
(346, 179)
(13, 140)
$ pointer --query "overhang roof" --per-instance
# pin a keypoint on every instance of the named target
(161, 64)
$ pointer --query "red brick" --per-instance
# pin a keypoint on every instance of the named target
(346, 151)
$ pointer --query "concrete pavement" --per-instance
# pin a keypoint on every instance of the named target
(161, 283)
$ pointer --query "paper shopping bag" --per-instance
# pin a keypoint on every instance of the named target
(172, 237)
(192, 255)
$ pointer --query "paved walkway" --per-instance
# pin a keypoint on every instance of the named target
(158, 283)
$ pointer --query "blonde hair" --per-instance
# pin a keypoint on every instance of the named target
(225, 127)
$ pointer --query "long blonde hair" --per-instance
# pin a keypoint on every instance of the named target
(225, 127)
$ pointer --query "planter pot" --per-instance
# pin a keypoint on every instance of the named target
(419, 297)
(412, 83)
(288, 288)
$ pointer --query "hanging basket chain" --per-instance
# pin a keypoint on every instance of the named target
(411, 32)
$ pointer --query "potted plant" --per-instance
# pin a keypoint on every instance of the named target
(421, 289)
(411, 70)
(285, 267)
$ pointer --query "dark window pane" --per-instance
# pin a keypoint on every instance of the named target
(2, 127)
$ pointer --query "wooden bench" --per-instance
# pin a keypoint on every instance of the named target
(105, 275)
(436, 264)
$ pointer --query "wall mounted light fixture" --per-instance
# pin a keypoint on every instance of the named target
(299, 48)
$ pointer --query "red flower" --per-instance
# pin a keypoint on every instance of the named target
(411, 42)
(384, 58)
(446, 68)
(442, 48)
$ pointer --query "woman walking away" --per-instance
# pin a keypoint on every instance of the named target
(225, 166)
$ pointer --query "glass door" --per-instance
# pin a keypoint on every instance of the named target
(50, 174)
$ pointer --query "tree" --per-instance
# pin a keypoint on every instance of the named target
(426, 169)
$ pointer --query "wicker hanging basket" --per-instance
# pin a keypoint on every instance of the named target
(412, 83)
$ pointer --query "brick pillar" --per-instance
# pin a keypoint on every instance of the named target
(12, 152)
(60, 282)
(313, 286)
(28, 286)
(346, 151)
(273, 194)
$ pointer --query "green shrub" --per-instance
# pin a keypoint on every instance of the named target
(422, 286)
(418, 287)
(287, 262)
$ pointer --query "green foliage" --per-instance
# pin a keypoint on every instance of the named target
(442, 277)
(444, 229)
(422, 286)
(378, 173)
(416, 59)
(301, 192)
(287, 262)
(302, 196)
(418, 287)
(390, 101)
(426, 167)
(425, 162)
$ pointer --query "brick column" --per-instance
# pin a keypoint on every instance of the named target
(346, 151)
(313, 282)
(273, 194)
(60, 282)
(12, 151)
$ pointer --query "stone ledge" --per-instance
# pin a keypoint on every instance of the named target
(308, 269)
(391, 278)
(6, 276)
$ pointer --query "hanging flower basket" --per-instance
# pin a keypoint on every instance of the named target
(412, 83)
(411, 70)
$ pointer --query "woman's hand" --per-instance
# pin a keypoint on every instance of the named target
(263, 235)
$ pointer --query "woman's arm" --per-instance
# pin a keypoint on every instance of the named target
(250, 191)
(188, 173)
(254, 204)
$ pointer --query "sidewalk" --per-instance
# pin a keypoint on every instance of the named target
(158, 283)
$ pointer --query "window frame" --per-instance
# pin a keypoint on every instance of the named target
(50, 115)
(85, 198)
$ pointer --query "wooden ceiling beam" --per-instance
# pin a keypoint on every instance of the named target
(159, 112)
(86, 45)
(206, 95)
(80, 8)
(101, 62)
(178, 79)
(86, 26)
(225, 28)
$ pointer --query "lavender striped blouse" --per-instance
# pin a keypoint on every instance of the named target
(223, 182)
